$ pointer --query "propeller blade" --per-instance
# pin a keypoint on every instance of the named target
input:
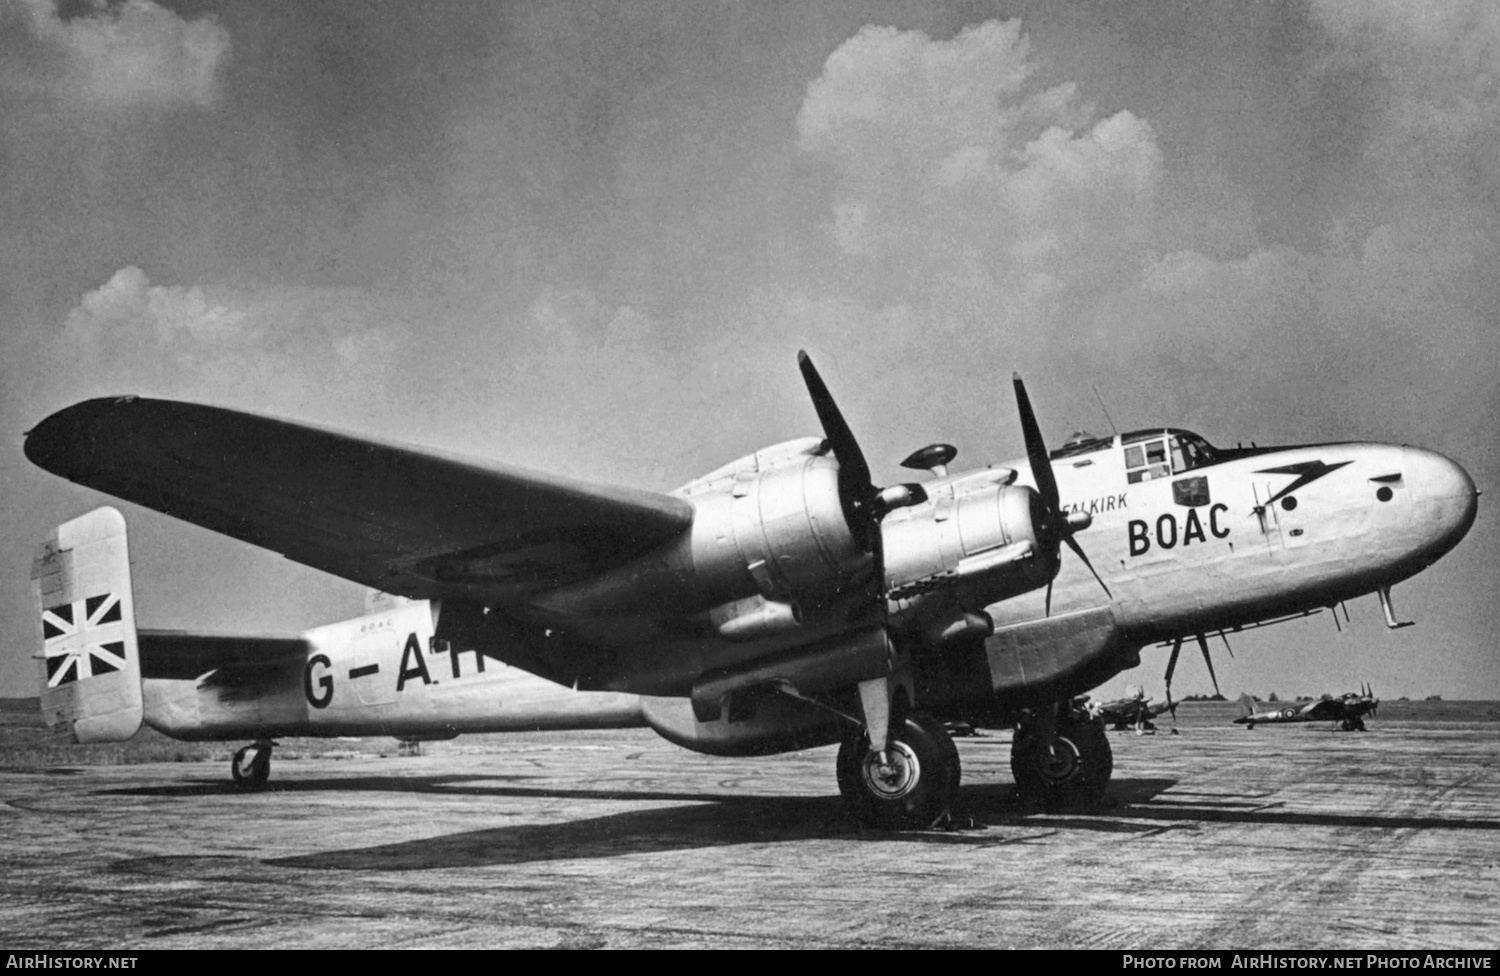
(1078, 550)
(856, 493)
(1203, 643)
(1036, 449)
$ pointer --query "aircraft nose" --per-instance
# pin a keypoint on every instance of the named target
(1447, 493)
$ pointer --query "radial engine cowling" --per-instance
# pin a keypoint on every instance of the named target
(771, 529)
(791, 533)
(977, 541)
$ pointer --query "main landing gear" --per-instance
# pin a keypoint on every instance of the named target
(1060, 758)
(911, 786)
(251, 766)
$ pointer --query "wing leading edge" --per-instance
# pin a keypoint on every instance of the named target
(403, 520)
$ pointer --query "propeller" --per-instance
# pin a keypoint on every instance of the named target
(864, 505)
(1054, 525)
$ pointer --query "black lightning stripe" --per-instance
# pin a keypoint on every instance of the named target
(1306, 471)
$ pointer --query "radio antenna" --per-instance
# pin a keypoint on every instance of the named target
(1104, 408)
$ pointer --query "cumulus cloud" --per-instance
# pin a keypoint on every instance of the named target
(250, 346)
(956, 166)
(117, 56)
(128, 305)
(1403, 273)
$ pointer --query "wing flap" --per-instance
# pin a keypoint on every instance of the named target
(401, 519)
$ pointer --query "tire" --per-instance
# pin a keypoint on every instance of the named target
(1074, 776)
(914, 791)
(251, 767)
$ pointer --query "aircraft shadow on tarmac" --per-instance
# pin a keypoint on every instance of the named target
(715, 819)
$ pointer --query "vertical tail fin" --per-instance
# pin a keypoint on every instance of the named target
(89, 662)
(1247, 705)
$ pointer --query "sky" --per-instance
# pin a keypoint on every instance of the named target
(590, 237)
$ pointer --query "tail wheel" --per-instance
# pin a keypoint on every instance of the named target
(915, 786)
(251, 766)
(1073, 772)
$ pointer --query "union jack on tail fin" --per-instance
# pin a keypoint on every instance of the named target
(89, 663)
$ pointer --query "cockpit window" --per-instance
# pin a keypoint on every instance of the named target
(1144, 462)
(1151, 454)
(1190, 451)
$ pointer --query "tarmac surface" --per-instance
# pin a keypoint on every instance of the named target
(1219, 838)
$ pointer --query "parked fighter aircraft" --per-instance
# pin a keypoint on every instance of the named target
(780, 602)
(1348, 710)
(1134, 711)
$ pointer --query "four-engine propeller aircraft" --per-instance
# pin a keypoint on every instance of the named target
(780, 602)
(1134, 711)
(1349, 710)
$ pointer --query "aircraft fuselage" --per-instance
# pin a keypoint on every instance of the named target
(1186, 539)
(1185, 549)
(380, 674)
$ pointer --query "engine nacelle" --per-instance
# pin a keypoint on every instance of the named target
(771, 532)
(976, 541)
(769, 550)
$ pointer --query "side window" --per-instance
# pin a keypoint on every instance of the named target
(1143, 462)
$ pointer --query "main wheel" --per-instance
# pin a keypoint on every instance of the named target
(251, 766)
(913, 789)
(1073, 773)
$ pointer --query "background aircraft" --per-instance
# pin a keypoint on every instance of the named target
(1134, 711)
(1348, 710)
(783, 600)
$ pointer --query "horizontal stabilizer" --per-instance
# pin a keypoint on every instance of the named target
(180, 655)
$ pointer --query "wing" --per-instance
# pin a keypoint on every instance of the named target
(1326, 710)
(400, 519)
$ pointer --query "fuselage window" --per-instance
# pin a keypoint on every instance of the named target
(1143, 462)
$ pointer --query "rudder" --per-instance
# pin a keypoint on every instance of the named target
(89, 663)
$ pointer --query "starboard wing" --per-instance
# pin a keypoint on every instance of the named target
(401, 519)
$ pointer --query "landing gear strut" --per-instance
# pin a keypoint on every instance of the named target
(1061, 760)
(912, 787)
(251, 766)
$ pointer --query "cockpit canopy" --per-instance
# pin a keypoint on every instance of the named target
(1155, 452)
